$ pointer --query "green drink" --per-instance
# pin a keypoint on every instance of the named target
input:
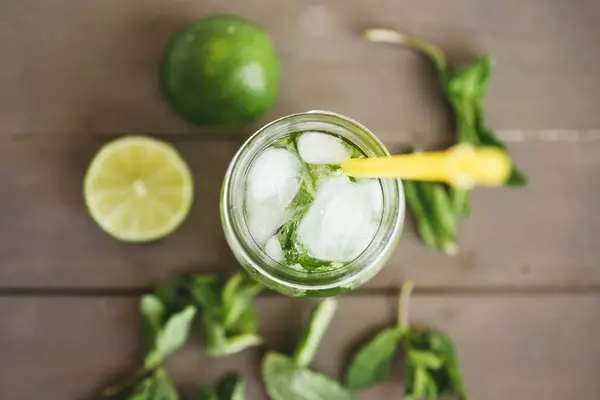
(295, 221)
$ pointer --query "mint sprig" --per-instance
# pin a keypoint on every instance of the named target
(228, 318)
(289, 378)
(431, 365)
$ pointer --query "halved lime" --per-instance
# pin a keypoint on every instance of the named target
(138, 189)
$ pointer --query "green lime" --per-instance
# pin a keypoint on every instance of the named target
(221, 72)
(138, 189)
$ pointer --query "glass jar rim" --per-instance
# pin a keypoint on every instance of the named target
(233, 193)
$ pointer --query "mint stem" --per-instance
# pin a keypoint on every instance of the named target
(320, 319)
(433, 52)
(131, 381)
(403, 303)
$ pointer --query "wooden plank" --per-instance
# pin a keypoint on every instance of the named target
(544, 234)
(517, 347)
(91, 66)
(48, 240)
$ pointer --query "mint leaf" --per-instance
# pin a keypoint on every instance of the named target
(288, 378)
(285, 380)
(372, 362)
(247, 322)
(207, 393)
(144, 390)
(231, 388)
(432, 367)
(432, 207)
(472, 81)
(320, 319)
(431, 357)
(237, 297)
(153, 312)
(228, 318)
(205, 291)
(218, 343)
(157, 386)
(170, 337)
(308, 188)
(164, 387)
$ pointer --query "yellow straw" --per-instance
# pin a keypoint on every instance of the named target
(462, 166)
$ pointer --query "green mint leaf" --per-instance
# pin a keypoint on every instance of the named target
(228, 318)
(291, 143)
(143, 390)
(372, 362)
(432, 366)
(232, 388)
(285, 380)
(171, 337)
(461, 201)
(207, 393)
(217, 342)
(246, 323)
(473, 80)
(232, 345)
(441, 208)
(308, 187)
(356, 153)
(319, 321)
(432, 208)
(237, 297)
(425, 359)
(153, 313)
(205, 290)
(165, 390)
(138, 381)
(420, 209)
(517, 178)
(157, 386)
(420, 385)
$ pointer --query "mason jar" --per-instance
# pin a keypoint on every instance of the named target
(295, 281)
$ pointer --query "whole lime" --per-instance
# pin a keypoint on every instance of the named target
(221, 71)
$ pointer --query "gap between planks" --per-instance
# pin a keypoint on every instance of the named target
(505, 135)
(453, 291)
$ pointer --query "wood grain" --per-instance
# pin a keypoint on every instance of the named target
(518, 347)
(544, 234)
(91, 66)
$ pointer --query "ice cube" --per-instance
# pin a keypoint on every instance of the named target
(321, 148)
(372, 189)
(273, 249)
(339, 224)
(264, 220)
(274, 174)
(273, 181)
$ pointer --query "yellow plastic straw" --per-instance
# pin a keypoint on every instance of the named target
(461, 166)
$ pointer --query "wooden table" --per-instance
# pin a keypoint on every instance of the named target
(521, 300)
